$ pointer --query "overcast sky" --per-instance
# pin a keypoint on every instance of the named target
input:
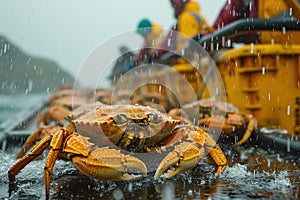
(68, 30)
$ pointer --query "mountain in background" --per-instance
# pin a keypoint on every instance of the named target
(21, 73)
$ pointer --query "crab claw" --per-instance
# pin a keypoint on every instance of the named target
(184, 157)
(110, 164)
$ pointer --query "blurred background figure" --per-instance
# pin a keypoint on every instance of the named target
(121, 65)
(238, 9)
(152, 34)
(189, 16)
(189, 23)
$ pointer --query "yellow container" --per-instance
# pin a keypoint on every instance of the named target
(268, 9)
(160, 82)
(264, 80)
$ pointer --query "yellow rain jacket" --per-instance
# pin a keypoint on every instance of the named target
(154, 38)
(191, 22)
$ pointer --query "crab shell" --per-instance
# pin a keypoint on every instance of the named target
(130, 127)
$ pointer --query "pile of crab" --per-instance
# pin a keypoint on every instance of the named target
(111, 142)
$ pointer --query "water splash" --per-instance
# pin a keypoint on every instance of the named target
(255, 180)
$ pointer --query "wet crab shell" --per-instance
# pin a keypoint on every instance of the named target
(138, 125)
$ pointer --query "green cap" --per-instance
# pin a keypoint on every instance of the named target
(144, 27)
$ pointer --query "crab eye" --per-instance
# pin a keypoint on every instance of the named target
(120, 119)
(155, 119)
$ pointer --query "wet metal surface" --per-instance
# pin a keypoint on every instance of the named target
(253, 173)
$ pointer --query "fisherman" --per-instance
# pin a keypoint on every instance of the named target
(152, 34)
(190, 22)
(121, 64)
(238, 9)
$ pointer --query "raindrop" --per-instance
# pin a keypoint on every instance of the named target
(12, 85)
(217, 91)
(288, 147)
(263, 70)
(243, 156)
(169, 42)
(168, 192)
(5, 48)
(190, 192)
(118, 194)
(228, 43)
(251, 48)
(28, 60)
(30, 84)
(288, 110)
(283, 30)
(278, 158)
(268, 162)
(223, 41)
(291, 12)
(269, 96)
(130, 187)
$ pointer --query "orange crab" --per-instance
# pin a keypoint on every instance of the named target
(64, 101)
(60, 116)
(104, 142)
(232, 122)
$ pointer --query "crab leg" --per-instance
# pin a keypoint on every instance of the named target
(185, 156)
(216, 154)
(194, 142)
(31, 140)
(248, 132)
(29, 143)
(56, 147)
(21, 163)
(43, 118)
(109, 164)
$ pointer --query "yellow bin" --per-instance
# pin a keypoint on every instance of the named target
(264, 80)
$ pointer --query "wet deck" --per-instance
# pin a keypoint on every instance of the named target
(257, 170)
(253, 173)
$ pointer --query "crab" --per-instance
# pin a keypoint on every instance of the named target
(234, 121)
(48, 130)
(152, 99)
(59, 108)
(105, 143)
(142, 96)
